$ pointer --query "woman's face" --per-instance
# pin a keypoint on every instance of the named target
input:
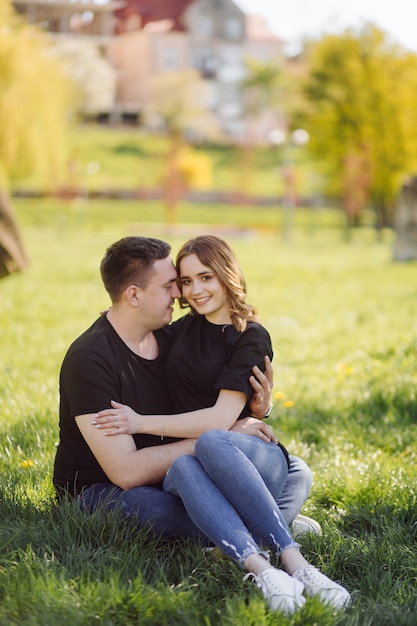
(203, 290)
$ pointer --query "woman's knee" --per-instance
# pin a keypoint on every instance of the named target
(209, 441)
(182, 464)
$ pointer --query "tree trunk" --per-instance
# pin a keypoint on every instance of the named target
(173, 185)
(12, 255)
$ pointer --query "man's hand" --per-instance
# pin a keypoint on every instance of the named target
(262, 385)
(253, 426)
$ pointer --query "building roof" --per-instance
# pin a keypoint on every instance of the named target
(155, 11)
(91, 5)
(257, 28)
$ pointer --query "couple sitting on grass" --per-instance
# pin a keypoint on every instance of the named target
(156, 419)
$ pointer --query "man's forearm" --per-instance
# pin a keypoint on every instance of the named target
(125, 465)
(150, 465)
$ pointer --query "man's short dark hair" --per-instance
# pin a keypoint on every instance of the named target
(130, 261)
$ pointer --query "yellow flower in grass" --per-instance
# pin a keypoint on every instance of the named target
(343, 370)
(27, 463)
(279, 395)
(288, 403)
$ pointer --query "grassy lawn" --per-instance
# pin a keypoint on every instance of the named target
(343, 319)
(128, 158)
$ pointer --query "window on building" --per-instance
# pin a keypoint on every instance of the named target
(231, 94)
(233, 28)
(170, 59)
(75, 22)
(87, 17)
(204, 26)
(205, 62)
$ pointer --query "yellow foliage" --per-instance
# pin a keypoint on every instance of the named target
(195, 168)
(361, 115)
(35, 99)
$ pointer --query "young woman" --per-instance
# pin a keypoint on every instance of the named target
(236, 479)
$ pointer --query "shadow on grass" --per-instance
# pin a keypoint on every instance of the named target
(89, 544)
(58, 564)
(383, 419)
(130, 149)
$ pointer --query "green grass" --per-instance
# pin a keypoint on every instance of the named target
(343, 319)
(128, 158)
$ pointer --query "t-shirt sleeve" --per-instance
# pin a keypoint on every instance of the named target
(248, 350)
(92, 382)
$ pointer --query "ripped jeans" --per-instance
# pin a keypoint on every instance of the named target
(230, 490)
(149, 506)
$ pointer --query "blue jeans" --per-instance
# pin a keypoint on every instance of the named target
(165, 512)
(227, 497)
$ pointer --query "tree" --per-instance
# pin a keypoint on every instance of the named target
(262, 98)
(361, 114)
(262, 88)
(92, 75)
(12, 254)
(177, 107)
(34, 102)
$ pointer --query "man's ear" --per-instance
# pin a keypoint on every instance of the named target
(133, 295)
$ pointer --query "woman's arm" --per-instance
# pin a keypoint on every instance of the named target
(121, 419)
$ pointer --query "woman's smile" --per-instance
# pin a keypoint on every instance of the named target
(203, 290)
(202, 300)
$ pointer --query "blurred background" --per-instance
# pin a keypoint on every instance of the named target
(206, 101)
(290, 130)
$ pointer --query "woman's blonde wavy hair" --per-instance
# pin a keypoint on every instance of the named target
(215, 253)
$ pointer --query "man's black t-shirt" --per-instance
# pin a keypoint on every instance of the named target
(98, 368)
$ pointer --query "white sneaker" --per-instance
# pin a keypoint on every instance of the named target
(281, 591)
(317, 584)
(303, 524)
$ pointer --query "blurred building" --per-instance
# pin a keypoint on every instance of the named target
(77, 18)
(143, 38)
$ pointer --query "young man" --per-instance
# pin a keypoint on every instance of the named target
(121, 357)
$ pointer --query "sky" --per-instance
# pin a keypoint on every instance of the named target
(293, 19)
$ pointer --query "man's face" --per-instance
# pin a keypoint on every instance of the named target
(157, 299)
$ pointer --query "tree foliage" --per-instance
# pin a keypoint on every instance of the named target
(262, 98)
(92, 75)
(262, 87)
(361, 114)
(178, 106)
(34, 102)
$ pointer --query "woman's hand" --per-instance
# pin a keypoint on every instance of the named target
(119, 420)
